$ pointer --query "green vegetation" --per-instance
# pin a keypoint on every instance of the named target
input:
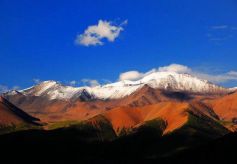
(4, 129)
(100, 129)
(198, 129)
(157, 124)
(226, 123)
(201, 128)
(61, 124)
(211, 128)
(124, 131)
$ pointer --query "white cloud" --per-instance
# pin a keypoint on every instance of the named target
(130, 75)
(219, 78)
(16, 88)
(73, 82)
(105, 81)
(3, 88)
(90, 82)
(232, 73)
(218, 27)
(94, 34)
(175, 68)
(135, 75)
(220, 33)
(36, 81)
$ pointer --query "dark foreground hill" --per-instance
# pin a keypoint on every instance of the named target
(85, 143)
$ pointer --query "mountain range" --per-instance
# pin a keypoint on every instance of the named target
(173, 107)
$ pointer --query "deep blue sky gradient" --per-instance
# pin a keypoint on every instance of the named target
(37, 38)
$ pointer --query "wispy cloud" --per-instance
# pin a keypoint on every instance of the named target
(105, 81)
(217, 78)
(233, 28)
(16, 88)
(95, 34)
(90, 82)
(36, 80)
(221, 33)
(218, 39)
(73, 82)
(219, 27)
(4, 88)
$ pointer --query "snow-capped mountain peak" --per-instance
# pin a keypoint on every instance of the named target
(233, 89)
(161, 80)
(180, 82)
(53, 90)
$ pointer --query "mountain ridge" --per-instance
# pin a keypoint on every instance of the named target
(162, 80)
(154, 112)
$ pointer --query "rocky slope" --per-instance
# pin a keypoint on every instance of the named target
(12, 118)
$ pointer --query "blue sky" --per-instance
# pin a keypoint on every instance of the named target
(37, 39)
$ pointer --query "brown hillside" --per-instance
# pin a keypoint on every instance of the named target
(225, 107)
(11, 115)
